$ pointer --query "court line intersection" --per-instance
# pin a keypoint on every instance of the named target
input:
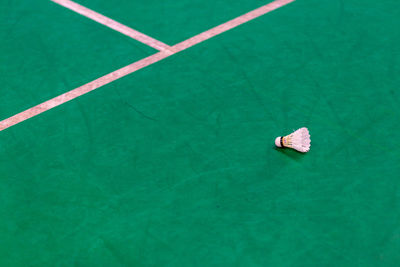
(165, 51)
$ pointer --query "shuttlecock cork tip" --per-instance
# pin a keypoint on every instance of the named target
(278, 141)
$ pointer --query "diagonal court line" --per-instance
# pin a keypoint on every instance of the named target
(84, 89)
(84, 11)
(230, 24)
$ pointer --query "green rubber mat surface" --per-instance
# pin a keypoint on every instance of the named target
(173, 21)
(175, 165)
(46, 50)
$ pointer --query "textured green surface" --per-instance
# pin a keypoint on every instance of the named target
(175, 165)
(173, 21)
(46, 50)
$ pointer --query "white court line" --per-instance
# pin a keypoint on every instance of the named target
(84, 89)
(84, 11)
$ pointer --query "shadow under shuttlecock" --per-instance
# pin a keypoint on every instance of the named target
(293, 154)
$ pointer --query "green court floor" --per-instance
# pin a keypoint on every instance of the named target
(175, 165)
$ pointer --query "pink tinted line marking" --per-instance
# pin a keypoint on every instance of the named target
(230, 24)
(84, 11)
(84, 89)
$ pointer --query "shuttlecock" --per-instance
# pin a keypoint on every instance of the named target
(298, 140)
